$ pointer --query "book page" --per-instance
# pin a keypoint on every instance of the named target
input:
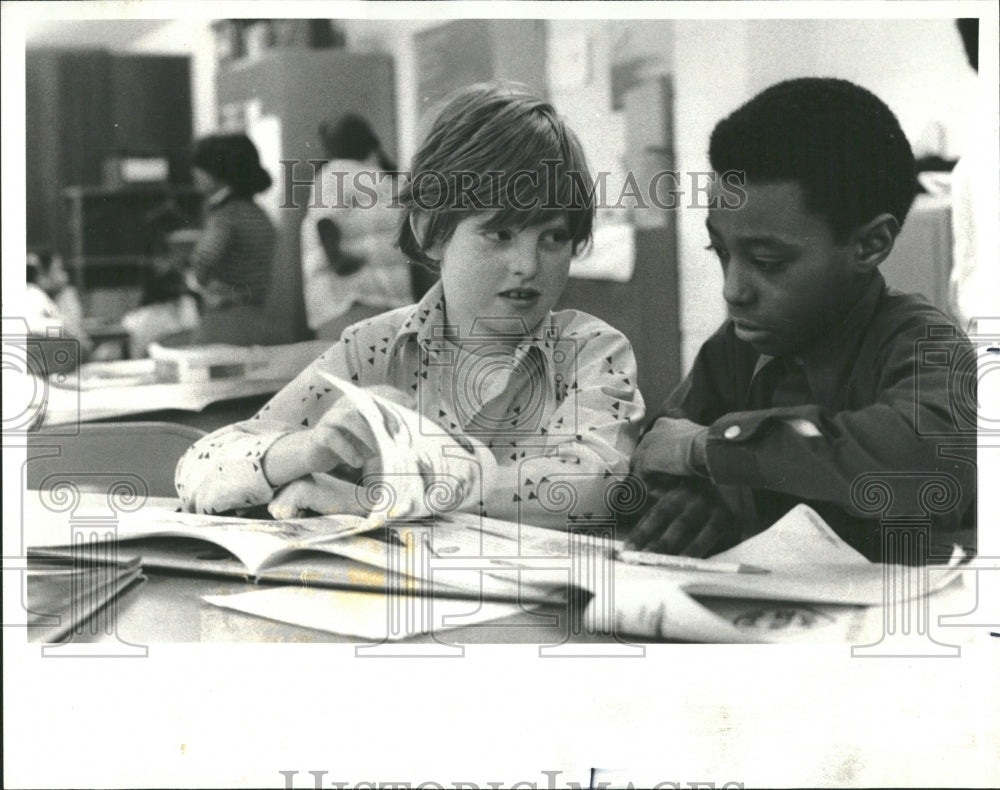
(421, 474)
(254, 542)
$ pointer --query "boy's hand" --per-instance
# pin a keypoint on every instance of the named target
(317, 493)
(342, 437)
(690, 520)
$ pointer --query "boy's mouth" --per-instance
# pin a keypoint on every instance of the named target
(749, 332)
(521, 296)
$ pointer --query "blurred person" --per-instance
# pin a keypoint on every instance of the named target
(52, 305)
(351, 268)
(231, 263)
(167, 308)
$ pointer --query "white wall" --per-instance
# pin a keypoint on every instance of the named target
(396, 38)
(917, 67)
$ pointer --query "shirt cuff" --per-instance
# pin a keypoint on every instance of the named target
(732, 458)
(669, 448)
(225, 472)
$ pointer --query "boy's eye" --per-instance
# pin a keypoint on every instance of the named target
(768, 264)
(555, 238)
(721, 252)
(498, 235)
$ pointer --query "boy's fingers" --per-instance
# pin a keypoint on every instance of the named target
(344, 446)
(708, 538)
(685, 526)
(317, 494)
(286, 502)
(660, 516)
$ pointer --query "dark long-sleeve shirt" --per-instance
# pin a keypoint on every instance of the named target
(870, 425)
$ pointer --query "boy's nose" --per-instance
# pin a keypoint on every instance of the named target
(525, 258)
(737, 289)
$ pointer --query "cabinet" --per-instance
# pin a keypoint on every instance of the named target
(83, 108)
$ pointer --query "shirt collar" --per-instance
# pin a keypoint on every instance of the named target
(427, 324)
(827, 362)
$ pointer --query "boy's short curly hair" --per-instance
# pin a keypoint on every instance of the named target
(837, 140)
(496, 147)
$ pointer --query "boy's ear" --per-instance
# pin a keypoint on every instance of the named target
(873, 241)
(418, 226)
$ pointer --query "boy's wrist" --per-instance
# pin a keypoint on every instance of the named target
(698, 453)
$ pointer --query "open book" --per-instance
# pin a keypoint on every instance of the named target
(321, 551)
(816, 584)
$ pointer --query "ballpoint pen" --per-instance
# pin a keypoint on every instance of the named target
(684, 563)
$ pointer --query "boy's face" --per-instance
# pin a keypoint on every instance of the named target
(786, 280)
(504, 278)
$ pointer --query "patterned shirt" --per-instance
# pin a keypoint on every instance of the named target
(560, 414)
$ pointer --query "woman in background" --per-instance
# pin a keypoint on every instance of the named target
(231, 263)
(351, 268)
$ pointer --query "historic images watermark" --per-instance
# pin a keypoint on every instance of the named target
(523, 190)
(317, 780)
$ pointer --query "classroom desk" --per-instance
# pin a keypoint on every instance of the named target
(129, 390)
(168, 608)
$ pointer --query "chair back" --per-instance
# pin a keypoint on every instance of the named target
(143, 453)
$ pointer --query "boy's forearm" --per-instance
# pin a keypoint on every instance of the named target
(811, 454)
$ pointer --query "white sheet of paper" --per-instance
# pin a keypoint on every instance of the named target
(360, 614)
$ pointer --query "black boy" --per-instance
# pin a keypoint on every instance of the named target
(811, 383)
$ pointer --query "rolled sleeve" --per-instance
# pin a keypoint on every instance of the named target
(224, 471)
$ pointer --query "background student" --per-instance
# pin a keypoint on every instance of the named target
(820, 376)
(550, 396)
(351, 267)
(231, 263)
(51, 303)
(167, 308)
